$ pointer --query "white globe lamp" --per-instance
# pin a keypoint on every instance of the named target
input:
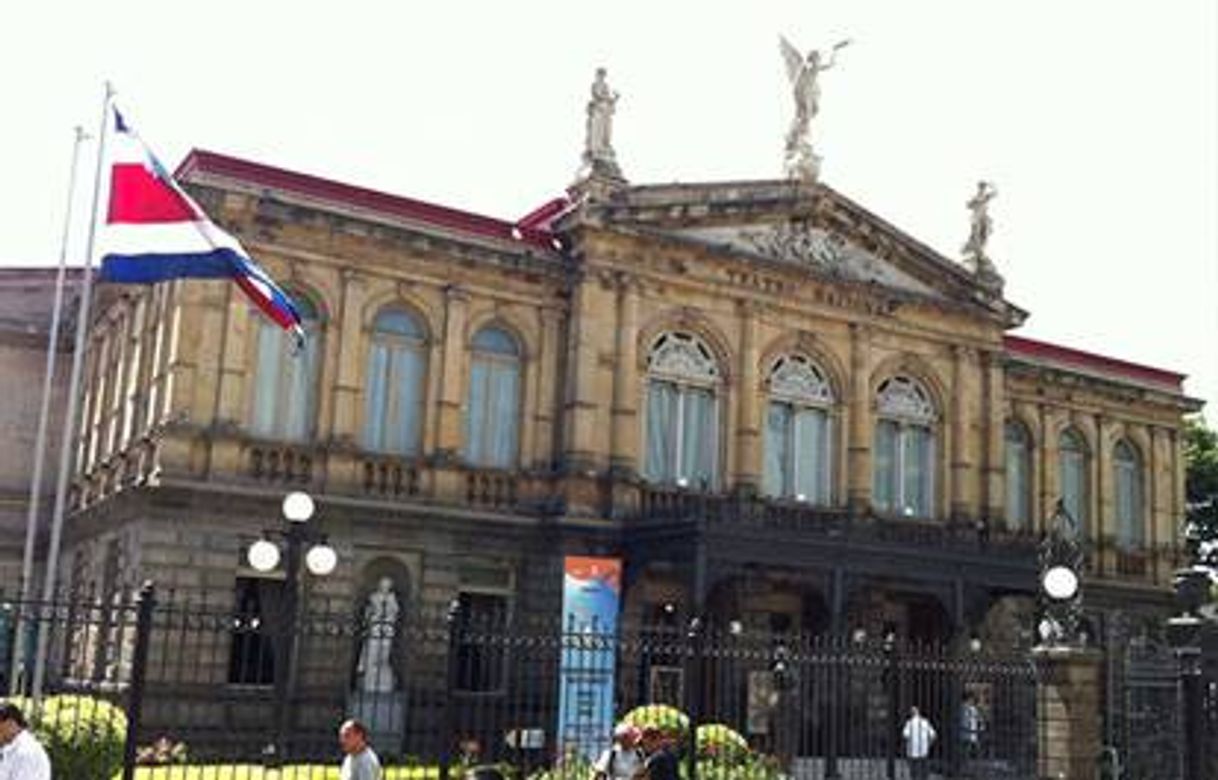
(263, 555)
(298, 506)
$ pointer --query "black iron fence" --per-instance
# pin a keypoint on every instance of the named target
(162, 688)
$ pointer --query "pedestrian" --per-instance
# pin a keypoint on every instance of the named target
(971, 726)
(360, 762)
(661, 762)
(919, 735)
(21, 757)
(622, 761)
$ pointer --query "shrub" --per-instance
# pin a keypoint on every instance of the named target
(660, 716)
(720, 742)
(83, 736)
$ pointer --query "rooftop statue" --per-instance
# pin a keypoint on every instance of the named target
(801, 161)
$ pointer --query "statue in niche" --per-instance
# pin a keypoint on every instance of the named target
(375, 668)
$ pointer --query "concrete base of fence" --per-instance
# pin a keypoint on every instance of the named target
(1068, 712)
(385, 716)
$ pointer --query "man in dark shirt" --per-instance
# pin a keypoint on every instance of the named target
(661, 763)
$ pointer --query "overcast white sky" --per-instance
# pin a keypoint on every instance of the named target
(1098, 120)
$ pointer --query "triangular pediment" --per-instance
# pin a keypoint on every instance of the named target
(806, 226)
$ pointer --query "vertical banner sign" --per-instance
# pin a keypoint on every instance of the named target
(591, 599)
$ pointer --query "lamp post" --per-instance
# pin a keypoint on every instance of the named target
(1184, 635)
(1061, 565)
(320, 559)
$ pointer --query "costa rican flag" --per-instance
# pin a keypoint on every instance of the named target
(154, 231)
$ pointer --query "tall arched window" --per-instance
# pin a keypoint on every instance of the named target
(1127, 480)
(798, 443)
(285, 379)
(1019, 476)
(1072, 465)
(904, 455)
(682, 415)
(493, 423)
(393, 400)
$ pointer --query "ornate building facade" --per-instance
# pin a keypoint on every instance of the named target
(773, 405)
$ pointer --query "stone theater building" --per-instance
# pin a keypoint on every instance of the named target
(774, 406)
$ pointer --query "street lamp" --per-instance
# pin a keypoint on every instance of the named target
(1061, 564)
(264, 556)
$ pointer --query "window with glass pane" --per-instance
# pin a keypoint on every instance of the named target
(285, 378)
(1072, 457)
(1019, 470)
(681, 422)
(251, 657)
(904, 449)
(393, 405)
(797, 445)
(493, 418)
(1130, 522)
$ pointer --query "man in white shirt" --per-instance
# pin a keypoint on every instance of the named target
(622, 761)
(21, 757)
(919, 735)
(360, 763)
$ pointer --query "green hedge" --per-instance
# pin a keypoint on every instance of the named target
(83, 736)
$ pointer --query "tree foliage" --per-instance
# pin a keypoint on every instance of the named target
(1201, 489)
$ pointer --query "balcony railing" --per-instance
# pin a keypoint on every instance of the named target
(390, 477)
(280, 464)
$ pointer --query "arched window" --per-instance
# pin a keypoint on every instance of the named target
(1127, 479)
(1019, 476)
(393, 399)
(904, 456)
(682, 415)
(798, 443)
(493, 422)
(285, 378)
(1072, 465)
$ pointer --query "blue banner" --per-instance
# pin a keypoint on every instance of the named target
(591, 600)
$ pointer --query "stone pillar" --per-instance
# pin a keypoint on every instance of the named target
(858, 485)
(449, 434)
(963, 408)
(995, 426)
(1068, 712)
(1104, 502)
(587, 427)
(548, 353)
(349, 373)
(624, 448)
(748, 402)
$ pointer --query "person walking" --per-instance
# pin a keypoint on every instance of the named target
(622, 761)
(360, 762)
(919, 735)
(21, 756)
(971, 726)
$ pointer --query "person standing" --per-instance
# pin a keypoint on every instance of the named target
(622, 761)
(21, 757)
(661, 762)
(919, 735)
(971, 725)
(361, 762)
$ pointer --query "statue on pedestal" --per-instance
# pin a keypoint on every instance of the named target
(599, 159)
(979, 234)
(801, 161)
(375, 668)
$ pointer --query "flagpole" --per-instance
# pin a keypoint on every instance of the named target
(68, 443)
(17, 676)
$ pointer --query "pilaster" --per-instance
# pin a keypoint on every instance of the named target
(624, 449)
(748, 403)
(858, 485)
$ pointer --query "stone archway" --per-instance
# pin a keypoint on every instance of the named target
(769, 603)
(876, 610)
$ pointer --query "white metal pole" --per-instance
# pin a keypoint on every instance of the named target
(67, 446)
(16, 678)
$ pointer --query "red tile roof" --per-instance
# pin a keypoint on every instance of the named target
(1089, 361)
(212, 163)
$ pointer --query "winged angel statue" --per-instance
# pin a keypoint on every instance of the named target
(801, 161)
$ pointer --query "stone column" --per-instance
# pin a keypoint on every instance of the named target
(449, 434)
(349, 374)
(963, 408)
(548, 353)
(624, 445)
(591, 334)
(1068, 712)
(858, 485)
(748, 401)
(1103, 503)
(995, 423)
